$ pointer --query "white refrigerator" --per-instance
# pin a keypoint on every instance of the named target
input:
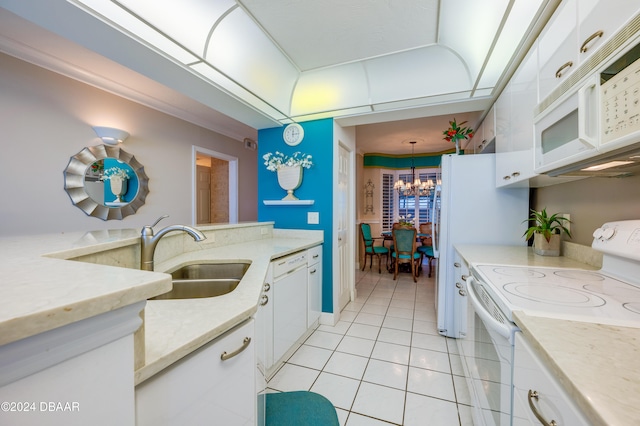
(469, 209)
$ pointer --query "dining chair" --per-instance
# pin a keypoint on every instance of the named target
(404, 243)
(426, 249)
(370, 249)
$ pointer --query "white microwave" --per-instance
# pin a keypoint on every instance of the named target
(568, 131)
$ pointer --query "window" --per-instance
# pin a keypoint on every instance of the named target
(395, 205)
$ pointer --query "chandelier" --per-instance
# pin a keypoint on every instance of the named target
(415, 187)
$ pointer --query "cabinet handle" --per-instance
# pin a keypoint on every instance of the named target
(313, 272)
(245, 344)
(534, 394)
(458, 285)
(562, 68)
(315, 256)
(515, 174)
(506, 177)
(585, 46)
(462, 292)
(267, 287)
(456, 265)
(464, 277)
(265, 300)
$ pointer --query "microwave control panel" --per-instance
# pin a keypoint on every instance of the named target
(620, 97)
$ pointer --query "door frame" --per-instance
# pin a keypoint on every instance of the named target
(233, 181)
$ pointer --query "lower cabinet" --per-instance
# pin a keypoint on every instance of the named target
(314, 285)
(537, 395)
(215, 385)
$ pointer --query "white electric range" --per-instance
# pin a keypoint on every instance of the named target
(610, 295)
(492, 292)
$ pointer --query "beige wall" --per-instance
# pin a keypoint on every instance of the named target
(591, 202)
(46, 118)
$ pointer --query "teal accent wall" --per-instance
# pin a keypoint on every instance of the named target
(317, 185)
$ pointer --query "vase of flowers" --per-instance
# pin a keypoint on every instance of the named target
(117, 178)
(289, 170)
(406, 222)
(456, 132)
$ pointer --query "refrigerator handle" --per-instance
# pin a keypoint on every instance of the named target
(435, 221)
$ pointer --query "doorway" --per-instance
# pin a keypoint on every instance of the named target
(215, 187)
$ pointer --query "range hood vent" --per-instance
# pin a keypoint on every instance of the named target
(624, 162)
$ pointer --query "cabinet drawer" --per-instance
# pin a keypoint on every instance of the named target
(552, 402)
(314, 254)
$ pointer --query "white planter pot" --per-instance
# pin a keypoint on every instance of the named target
(546, 248)
(289, 179)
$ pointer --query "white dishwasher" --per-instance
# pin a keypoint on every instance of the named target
(289, 302)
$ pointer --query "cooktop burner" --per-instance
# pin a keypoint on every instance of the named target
(558, 291)
(557, 295)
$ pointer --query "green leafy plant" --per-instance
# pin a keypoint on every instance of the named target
(546, 225)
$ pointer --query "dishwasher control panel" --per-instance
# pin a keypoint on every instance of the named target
(288, 263)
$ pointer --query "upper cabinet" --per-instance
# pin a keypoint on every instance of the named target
(577, 30)
(514, 125)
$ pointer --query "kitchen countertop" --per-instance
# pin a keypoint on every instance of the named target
(41, 289)
(175, 328)
(595, 363)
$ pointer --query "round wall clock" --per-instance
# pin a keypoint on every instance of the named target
(293, 134)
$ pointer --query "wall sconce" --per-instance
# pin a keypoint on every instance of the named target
(111, 136)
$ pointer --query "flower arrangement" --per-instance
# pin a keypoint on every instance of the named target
(278, 160)
(407, 220)
(457, 132)
(115, 172)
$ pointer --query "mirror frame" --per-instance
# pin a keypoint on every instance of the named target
(74, 176)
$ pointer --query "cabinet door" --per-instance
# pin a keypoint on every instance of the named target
(514, 161)
(489, 124)
(203, 388)
(595, 17)
(558, 47)
(552, 401)
(314, 283)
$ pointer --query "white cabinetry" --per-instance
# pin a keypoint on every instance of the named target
(314, 285)
(460, 302)
(78, 374)
(577, 30)
(537, 393)
(514, 123)
(213, 385)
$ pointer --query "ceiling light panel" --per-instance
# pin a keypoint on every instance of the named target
(240, 49)
(471, 40)
(189, 22)
(422, 72)
(518, 22)
(148, 35)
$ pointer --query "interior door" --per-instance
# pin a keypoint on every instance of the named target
(203, 191)
(343, 227)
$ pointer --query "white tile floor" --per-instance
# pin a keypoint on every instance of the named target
(384, 363)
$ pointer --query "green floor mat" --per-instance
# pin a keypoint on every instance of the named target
(299, 408)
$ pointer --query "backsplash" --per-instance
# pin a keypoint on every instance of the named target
(581, 253)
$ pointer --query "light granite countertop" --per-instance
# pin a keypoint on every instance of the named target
(595, 363)
(42, 289)
(175, 328)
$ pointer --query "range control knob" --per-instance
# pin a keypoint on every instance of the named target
(597, 233)
(608, 233)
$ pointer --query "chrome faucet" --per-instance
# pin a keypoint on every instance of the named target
(149, 241)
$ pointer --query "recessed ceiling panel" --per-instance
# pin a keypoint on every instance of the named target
(339, 31)
(415, 74)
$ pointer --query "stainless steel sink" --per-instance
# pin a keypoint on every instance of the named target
(204, 280)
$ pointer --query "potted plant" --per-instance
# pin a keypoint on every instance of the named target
(546, 232)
